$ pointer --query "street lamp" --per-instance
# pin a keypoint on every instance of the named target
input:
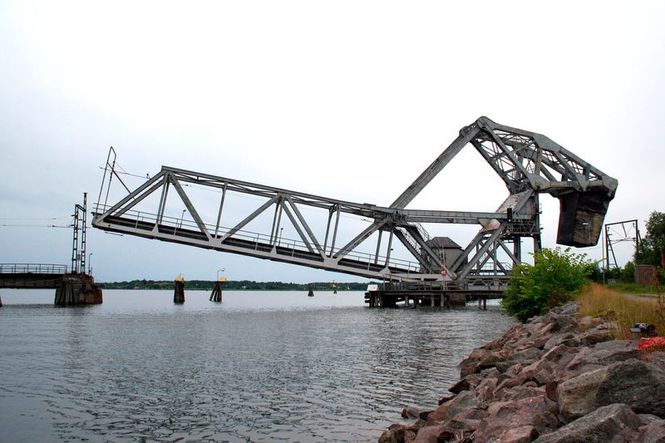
(220, 269)
(182, 217)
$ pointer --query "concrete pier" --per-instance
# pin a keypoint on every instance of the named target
(77, 289)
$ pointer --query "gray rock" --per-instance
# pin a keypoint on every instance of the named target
(467, 420)
(595, 335)
(653, 432)
(464, 400)
(409, 412)
(536, 411)
(525, 357)
(609, 424)
(398, 433)
(520, 434)
(602, 354)
(577, 396)
(648, 418)
(432, 434)
(656, 358)
(638, 384)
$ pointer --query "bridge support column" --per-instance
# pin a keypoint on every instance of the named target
(77, 289)
(179, 292)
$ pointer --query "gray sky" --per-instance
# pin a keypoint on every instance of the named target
(349, 100)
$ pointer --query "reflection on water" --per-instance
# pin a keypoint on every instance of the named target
(261, 366)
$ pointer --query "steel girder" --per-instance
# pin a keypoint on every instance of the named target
(527, 162)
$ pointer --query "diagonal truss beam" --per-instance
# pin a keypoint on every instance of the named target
(248, 219)
(357, 240)
(190, 207)
(298, 229)
(305, 226)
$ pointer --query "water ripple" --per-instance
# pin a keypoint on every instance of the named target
(256, 368)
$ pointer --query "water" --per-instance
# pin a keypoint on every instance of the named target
(261, 366)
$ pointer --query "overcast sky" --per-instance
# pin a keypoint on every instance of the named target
(350, 100)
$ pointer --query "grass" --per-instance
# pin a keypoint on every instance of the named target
(623, 310)
(634, 288)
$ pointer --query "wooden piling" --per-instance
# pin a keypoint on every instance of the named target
(179, 292)
(216, 295)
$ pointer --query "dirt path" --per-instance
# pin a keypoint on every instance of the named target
(653, 298)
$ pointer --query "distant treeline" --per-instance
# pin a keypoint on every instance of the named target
(236, 285)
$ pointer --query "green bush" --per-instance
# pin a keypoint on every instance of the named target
(553, 280)
(628, 273)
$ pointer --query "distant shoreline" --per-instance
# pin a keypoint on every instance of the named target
(235, 285)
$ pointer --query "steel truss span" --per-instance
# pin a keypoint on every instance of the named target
(528, 163)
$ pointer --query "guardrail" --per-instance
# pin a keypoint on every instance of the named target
(33, 268)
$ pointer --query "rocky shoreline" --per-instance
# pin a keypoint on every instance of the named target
(558, 378)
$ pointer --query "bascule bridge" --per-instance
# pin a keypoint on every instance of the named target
(528, 163)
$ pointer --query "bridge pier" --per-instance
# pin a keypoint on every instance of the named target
(77, 289)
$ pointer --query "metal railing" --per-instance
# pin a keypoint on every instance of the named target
(294, 245)
(33, 268)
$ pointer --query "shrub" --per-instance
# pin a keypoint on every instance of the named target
(551, 281)
(628, 273)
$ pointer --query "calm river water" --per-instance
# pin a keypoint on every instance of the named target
(261, 366)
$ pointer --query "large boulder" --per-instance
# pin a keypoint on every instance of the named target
(505, 417)
(638, 384)
(461, 402)
(609, 424)
(577, 396)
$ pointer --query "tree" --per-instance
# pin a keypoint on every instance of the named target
(551, 281)
(649, 251)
